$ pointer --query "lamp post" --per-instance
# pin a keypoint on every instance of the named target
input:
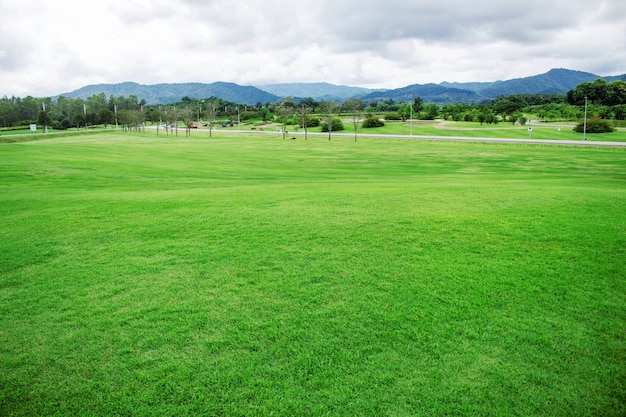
(585, 121)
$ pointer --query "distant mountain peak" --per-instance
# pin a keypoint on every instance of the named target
(555, 81)
(165, 93)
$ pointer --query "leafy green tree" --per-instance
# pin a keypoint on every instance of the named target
(598, 92)
(616, 93)
(309, 103)
(431, 111)
(266, 114)
(28, 110)
(507, 105)
(418, 105)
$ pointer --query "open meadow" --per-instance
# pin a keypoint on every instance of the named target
(246, 275)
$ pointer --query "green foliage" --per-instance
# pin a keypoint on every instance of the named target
(372, 121)
(418, 105)
(518, 117)
(595, 125)
(431, 111)
(337, 125)
(266, 114)
(393, 116)
(486, 115)
(599, 92)
(311, 122)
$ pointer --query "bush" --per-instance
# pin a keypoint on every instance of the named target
(595, 125)
(371, 121)
(393, 116)
(337, 126)
(311, 122)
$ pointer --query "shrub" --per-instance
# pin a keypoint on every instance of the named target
(311, 122)
(371, 121)
(337, 125)
(393, 116)
(595, 125)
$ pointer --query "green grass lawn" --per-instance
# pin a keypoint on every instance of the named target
(540, 131)
(253, 276)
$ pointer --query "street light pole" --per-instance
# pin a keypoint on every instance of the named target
(585, 121)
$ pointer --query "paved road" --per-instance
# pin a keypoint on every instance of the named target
(416, 137)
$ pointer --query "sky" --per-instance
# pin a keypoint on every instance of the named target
(49, 47)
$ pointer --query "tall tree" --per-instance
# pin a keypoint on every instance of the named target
(418, 104)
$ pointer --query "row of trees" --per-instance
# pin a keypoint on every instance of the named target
(605, 101)
(65, 112)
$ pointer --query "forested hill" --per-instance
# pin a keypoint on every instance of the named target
(555, 81)
(318, 91)
(172, 93)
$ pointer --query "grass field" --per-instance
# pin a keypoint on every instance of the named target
(254, 276)
(539, 131)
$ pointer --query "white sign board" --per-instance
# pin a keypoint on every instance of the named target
(33, 127)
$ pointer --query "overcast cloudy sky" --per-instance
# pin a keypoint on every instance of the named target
(49, 47)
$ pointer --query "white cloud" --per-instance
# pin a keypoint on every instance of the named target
(55, 46)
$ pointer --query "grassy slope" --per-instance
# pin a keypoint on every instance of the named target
(245, 276)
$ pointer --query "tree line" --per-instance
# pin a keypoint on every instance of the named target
(604, 100)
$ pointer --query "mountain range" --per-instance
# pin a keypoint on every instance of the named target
(555, 81)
